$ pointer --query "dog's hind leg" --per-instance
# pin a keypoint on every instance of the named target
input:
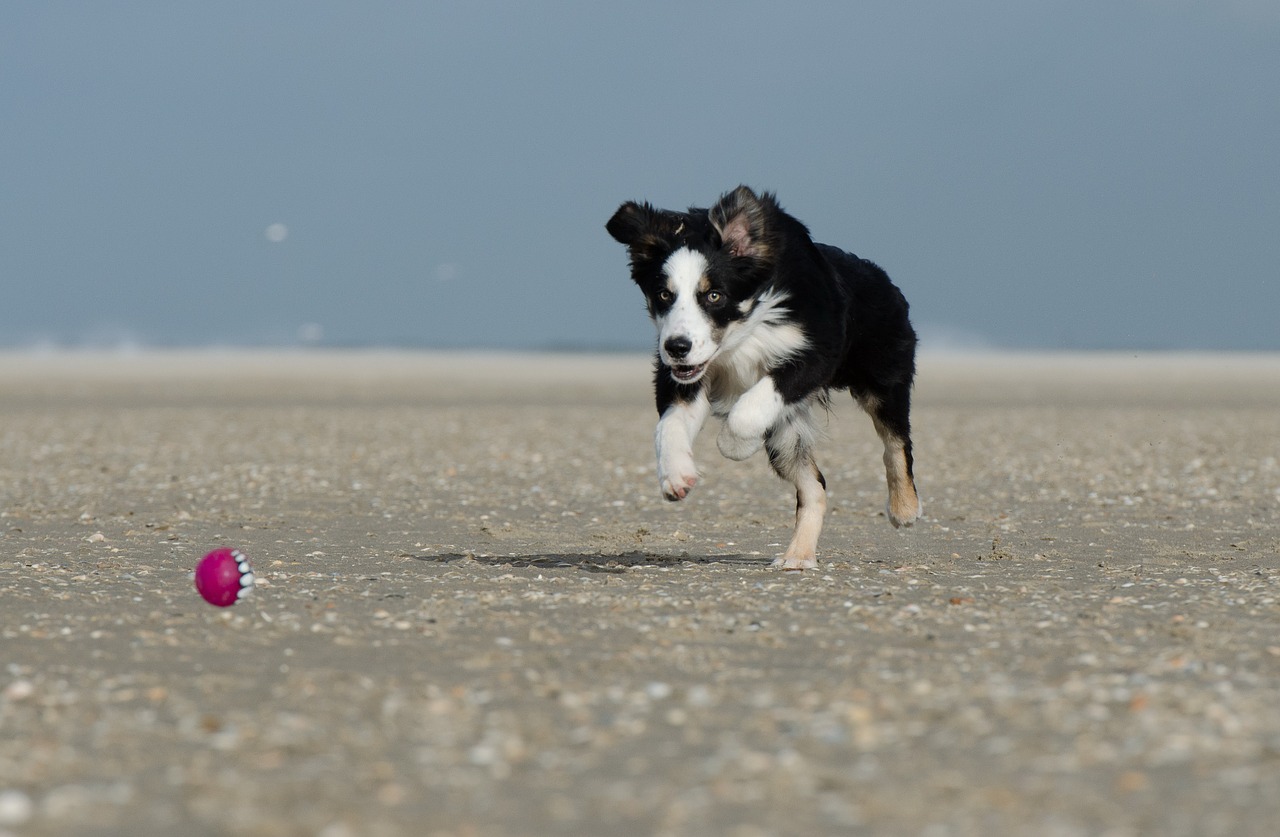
(791, 455)
(891, 417)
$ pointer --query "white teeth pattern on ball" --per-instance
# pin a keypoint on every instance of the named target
(246, 573)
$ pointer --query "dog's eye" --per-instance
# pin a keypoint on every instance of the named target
(664, 296)
(714, 296)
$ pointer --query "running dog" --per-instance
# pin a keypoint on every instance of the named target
(756, 325)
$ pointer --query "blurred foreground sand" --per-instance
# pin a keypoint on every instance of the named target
(477, 616)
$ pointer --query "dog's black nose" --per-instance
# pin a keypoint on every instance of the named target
(677, 347)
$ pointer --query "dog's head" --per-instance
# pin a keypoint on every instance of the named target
(701, 271)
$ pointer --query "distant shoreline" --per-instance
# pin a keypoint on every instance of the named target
(979, 377)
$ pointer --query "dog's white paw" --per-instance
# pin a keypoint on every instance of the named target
(737, 447)
(796, 562)
(677, 480)
(750, 419)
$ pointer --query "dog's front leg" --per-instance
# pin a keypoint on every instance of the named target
(751, 417)
(673, 441)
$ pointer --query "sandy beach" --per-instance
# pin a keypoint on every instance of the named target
(476, 615)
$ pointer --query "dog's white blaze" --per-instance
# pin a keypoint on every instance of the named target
(685, 270)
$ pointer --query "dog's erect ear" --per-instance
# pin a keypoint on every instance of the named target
(742, 219)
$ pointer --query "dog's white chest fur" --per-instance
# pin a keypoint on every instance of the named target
(750, 348)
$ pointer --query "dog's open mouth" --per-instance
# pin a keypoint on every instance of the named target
(686, 373)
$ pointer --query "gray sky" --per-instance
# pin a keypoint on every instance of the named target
(1033, 174)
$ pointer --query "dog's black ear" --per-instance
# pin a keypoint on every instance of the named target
(646, 231)
(634, 222)
(630, 222)
(742, 218)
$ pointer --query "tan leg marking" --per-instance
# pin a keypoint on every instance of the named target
(904, 507)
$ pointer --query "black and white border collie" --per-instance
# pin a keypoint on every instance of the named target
(756, 324)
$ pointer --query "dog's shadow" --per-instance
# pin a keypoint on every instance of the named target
(595, 563)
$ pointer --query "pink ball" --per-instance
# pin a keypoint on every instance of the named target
(223, 577)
